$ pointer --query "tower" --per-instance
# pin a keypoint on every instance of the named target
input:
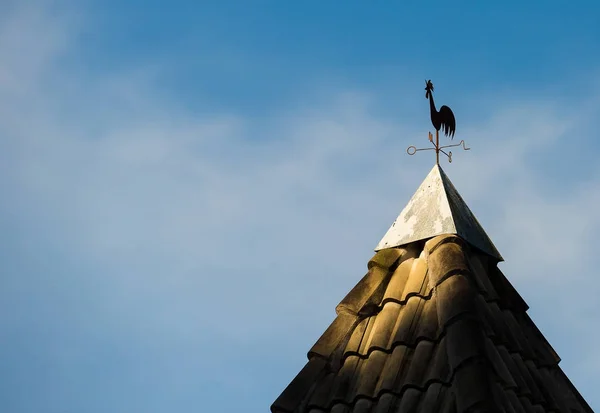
(434, 326)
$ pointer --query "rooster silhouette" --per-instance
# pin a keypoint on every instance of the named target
(444, 119)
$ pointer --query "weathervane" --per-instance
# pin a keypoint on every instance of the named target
(444, 119)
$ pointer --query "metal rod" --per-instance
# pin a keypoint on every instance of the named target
(464, 145)
(437, 146)
(411, 150)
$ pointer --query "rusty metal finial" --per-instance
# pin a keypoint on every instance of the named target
(411, 150)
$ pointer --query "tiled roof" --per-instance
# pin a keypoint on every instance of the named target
(432, 327)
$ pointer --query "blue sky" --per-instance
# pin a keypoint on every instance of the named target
(188, 191)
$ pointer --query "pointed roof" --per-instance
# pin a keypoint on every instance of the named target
(434, 326)
(437, 208)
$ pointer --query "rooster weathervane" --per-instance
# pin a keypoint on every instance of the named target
(442, 119)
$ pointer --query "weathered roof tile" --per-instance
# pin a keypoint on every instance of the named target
(445, 260)
(515, 374)
(416, 284)
(386, 258)
(536, 394)
(354, 344)
(297, 390)
(369, 374)
(455, 297)
(514, 402)
(383, 327)
(421, 358)
(320, 396)
(517, 330)
(398, 361)
(448, 402)
(366, 338)
(339, 408)
(438, 368)
(464, 342)
(504, 399)
(509, 298)
(430, 401)
(407, 322)
(527, 405)
(395, 287)
(522, 375)
(488, 324)
(428, 327)
(341, 327)
(481, 278)
(362, 406)
(385, 403)
(364, 293)
(500, 367)
(410, 399)
(472, 386)
(503, 330)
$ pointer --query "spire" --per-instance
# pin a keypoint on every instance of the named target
(434, 325)
(435, 209)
